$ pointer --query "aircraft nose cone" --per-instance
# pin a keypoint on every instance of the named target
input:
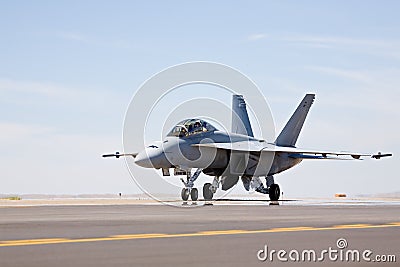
(143, 160)
(152, 157)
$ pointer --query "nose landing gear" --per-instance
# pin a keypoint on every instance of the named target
(189, 190)
(193, 193)
(185, 194)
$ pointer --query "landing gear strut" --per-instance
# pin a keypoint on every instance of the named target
(188, 190)
(210, 189)
(272, 188)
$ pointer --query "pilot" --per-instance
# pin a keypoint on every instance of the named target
(190, 128)
(204, 126)
(183, 132)
(197, 126)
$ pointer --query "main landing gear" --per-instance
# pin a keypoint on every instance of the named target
(274, 192)
(209, 189)
(272, 188)
(189, 190)
(207, 193)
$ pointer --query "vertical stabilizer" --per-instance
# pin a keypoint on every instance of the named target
(240, 118)
(291, 131)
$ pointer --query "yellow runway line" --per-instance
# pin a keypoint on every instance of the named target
(45, 241)
(352, 226)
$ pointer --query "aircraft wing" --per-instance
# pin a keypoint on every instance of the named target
(244, 146)
(321, 154)
(259, 146)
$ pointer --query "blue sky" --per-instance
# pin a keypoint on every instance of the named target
(69, 68)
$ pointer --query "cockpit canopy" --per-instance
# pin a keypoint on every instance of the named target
(190, 127)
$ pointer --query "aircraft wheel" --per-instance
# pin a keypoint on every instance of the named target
(207, 193)
(194, 194)
(185, 194)
(274, 192)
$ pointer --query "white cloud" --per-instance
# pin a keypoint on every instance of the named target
(335, 40)
(347, 74)
(16, 91)
(369, 89)
(383, 47)
(40, 88)
(38, 159)
(13, 133)
(90, 40)
(389, 48)
(256, 37)
(74, 36)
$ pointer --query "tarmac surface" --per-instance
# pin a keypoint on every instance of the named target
(228, 233)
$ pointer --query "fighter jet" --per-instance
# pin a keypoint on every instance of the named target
(195, 144)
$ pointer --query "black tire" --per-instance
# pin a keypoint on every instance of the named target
(194, 194)
(207, 193)
(274, 192)
(185, 194)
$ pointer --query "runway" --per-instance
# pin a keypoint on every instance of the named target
(222, 234)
